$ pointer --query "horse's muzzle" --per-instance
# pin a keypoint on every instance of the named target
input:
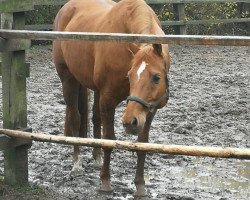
(133, 125)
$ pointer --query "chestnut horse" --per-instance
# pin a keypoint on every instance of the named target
(115, 71)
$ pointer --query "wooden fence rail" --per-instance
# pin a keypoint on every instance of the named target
(119, 37)
(147, 147)
(179, 23)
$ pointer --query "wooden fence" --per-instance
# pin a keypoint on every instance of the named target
(14, 71)
(180, 23)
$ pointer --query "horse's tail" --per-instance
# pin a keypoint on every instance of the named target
(83, 110)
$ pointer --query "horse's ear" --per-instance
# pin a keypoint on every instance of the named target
(133, 48)
(158, 49)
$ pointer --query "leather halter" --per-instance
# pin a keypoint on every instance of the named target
(151, 105)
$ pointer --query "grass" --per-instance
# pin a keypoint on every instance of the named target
(25, 192)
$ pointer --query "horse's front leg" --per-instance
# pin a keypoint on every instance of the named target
(107, 111)
(139, 177)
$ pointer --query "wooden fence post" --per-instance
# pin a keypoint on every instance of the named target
(14, 102)
(245, 7)
(180, 15)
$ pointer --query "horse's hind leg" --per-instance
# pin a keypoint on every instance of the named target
(83, 111)
(72, 119)
(83, 129)
(97, 153)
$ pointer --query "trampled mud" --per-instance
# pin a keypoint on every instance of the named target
(209, 106)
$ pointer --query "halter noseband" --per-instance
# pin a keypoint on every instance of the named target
(152, 105)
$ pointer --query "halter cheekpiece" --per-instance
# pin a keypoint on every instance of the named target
(151, 106)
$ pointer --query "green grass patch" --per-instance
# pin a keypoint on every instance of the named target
(23, 192)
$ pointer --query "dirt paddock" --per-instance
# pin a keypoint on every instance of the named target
(209, 106)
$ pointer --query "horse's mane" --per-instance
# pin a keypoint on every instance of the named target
(141, 15)
(138, 16)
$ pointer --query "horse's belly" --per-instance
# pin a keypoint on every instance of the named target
(84, 78)
(79, 60)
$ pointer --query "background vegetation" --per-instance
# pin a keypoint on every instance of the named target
(210, 11)
(194, 11)
(27, 192)
(42, 15)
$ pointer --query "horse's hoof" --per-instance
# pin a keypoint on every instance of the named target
(107, 191)
(141, 192)
(106, 187)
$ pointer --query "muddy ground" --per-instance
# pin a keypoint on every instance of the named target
(209, 106)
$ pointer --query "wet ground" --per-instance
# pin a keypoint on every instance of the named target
(209, 106)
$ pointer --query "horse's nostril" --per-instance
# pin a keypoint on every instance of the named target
(134, 122)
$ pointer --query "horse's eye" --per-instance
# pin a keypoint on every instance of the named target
(156, 78)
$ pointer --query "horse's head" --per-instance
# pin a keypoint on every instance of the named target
(148, 78)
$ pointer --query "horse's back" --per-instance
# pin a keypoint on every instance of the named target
(62, 19)
(77, 11)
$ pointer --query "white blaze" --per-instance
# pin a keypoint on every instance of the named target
(141, 69)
